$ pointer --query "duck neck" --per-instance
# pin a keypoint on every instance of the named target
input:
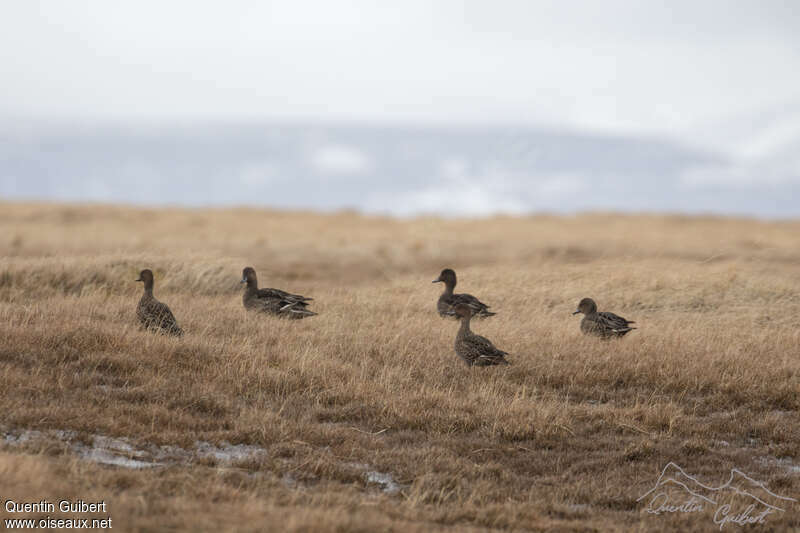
(252, 285)
(148, 288)
(464, 330)
(449, 286)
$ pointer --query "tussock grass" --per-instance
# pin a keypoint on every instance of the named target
(568, 436)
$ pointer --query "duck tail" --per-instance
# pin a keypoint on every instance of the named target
(301, 312)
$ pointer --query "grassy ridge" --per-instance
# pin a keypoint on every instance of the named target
(568, 436)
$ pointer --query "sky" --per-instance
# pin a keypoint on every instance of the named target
(718, 76)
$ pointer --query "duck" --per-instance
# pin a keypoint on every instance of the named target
(447, 301)
(273, 301)
(601, 324)
(152, 314)
(474, 349)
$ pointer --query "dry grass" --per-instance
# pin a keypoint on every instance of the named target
(568, 437)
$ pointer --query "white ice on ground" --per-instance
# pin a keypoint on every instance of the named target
(121, 452)
(384, 480)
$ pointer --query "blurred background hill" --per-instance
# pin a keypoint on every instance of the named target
(449, 108)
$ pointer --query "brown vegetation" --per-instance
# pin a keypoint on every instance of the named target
(567, 437)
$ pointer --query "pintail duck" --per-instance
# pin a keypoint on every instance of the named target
(474, 349)
(602, 324)
(152, 314)
(448, 300)
(273, 301)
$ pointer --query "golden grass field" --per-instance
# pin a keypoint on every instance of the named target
(566, 438)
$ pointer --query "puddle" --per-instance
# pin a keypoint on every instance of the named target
(22, 437)
(111, 457)
(384, 480)
(290, 481)
(784, 463)
(123, 453)
(229, 453)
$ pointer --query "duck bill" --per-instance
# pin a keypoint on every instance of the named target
(138, 279)
(576, 312)
(437, 280)
(244, 280)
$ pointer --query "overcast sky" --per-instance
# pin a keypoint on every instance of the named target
(663, 67)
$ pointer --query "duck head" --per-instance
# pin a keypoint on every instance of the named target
(586, 306)
(146, 276)
(448, 277)
(249, 277)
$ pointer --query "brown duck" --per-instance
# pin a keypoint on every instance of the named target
(152, 314)
(474, 349)
(601, 324)
(448, 300)
(273, 301)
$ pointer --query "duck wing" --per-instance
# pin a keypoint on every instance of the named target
(447, 303)
(277, 294)
(283, 303)
(157, 315)
(614, 322)
(485, 352)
